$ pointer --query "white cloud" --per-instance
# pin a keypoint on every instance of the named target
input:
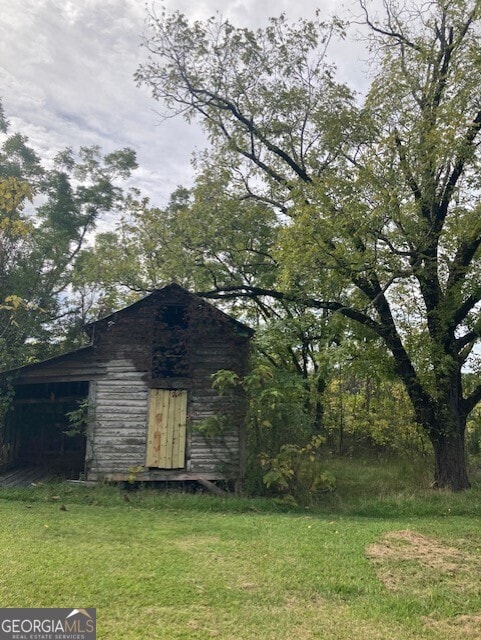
(67, 78)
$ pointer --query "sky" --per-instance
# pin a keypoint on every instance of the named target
(66, 73)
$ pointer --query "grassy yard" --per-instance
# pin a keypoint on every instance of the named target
(380, 559)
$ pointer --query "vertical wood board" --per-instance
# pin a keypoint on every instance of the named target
(167, 429)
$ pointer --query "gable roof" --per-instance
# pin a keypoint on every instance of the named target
(172, 291)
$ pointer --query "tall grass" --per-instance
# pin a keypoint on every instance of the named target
(364, 487)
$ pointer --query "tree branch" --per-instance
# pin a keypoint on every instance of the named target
(462, 311)
(225, 104)
(472, 400)
(400, 37)
(458, 268)
(459, 165)
(253, 292)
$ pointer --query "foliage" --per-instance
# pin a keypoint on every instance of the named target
(47, 212)
(79, 418)
(13, 193)
(377, 199)
(14, 235)
(6, 397)
(474, 433)
(202, 236)
(133, 474)
(366, 406)
(372, 415)
(211, 427)
(278, 413)
(276, 401)
(298, 472)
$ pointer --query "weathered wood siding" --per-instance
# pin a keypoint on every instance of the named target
(120, 440)
(221, 453)
(117, 435)
(80, 365)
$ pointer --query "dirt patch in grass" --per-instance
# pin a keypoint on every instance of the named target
(318, 617)
(409, 562)
(463, 627)
(410, 547)
(197, 543)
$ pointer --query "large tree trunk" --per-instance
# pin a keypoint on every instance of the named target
(445, 424)
(450, 471)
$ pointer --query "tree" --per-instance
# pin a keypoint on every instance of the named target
(366, 406)
(14, 234)
(379, 196)
(46, 214)
(202, 237)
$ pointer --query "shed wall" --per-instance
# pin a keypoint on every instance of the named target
(117, 439)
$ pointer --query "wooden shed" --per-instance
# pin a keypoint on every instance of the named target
(147, 374)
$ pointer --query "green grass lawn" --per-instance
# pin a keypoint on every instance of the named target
(390, 562)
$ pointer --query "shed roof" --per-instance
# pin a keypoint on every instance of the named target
(54, 360)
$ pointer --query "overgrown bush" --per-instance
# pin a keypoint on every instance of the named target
(279, 422)
(473, 437)
(78, 418)
(297, 473)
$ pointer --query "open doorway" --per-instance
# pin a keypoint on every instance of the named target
(39, 430)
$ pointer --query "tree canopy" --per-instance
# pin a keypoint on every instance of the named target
(377, 196)
(46, 214)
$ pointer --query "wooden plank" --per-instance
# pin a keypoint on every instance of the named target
(182, 430)
(164, 403)
(166, 435)
(48, 400)
(159, 475)
(153, 433)
(23, 476)
(174, 428)
(167, 429)
(213, 488)
(67, 377)
(122, 405)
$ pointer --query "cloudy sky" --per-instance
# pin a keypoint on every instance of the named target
(66, 72)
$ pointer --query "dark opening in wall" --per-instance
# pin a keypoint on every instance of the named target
(169, 353)
(37, 428)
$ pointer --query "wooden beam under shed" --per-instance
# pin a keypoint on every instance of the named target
(213, 488)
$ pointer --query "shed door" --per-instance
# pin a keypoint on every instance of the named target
(167, 428)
